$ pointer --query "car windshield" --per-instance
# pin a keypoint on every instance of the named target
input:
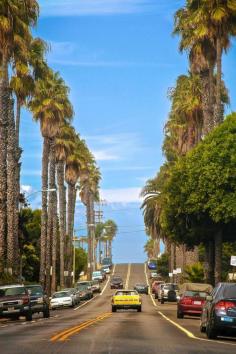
(82, 286)
(12, 291)
(230, 291)
(116, 279)
(202, 294)
(61, 294)
(125, 293)
(96, 273)
(35, 290)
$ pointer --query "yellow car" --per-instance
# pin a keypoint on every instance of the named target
(126, 299)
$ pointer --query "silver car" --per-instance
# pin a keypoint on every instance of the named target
(61, 299)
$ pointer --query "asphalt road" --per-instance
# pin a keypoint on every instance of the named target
(92, 328)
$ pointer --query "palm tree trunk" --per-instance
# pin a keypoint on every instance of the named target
(209, 262)
(62, 203)
(44, 214)
(218, 256)
(69, 254)
(208, 122)
(219, 111)
(11, 192)
(4, 97)
(54, 243)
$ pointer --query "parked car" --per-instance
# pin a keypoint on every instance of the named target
(126, 299)
(169, 293)
(106, 269)
(141, 288)
(98, 275)
(39, 301)
(15, 302)
(152, 264)
(116, 282)
(62, 299)
(192, 298)
(95, 285)
(154, 275)
(75, 294)
(155, 284)
(107, 261)
(85, 290)
(219, 311)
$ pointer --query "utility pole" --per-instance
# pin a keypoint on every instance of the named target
(99, 216)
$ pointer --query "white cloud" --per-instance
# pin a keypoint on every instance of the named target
(26, 189)
(122, 195)
(93, 7)
(103, 155)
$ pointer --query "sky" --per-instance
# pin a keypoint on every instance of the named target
(119, 59)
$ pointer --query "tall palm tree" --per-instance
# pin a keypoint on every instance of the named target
(16, 20)
(64, 145)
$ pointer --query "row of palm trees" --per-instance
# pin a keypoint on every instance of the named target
(27, 81)
(205, 28)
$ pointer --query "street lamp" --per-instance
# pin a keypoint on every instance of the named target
(41, 191)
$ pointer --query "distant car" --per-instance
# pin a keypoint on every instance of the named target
(75, 294)
(84, 287)
(15, 302)
(159, 291)
(154, 275)
(169, 293)
(62, 299)
(126, 299)
(219, 311)
(98, 275)
(39, 300)
(141, 288)
(106, 269)
(116, 282)
(107, 261)
(152, 264)
(95, 285)
(155, 285)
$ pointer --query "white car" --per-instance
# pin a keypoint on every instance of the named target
(106, 269)
(97, 275)
(61, 299)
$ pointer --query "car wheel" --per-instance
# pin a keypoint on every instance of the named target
(29, 316)
(113, 309)
(211, 332)
(139, 309)
(180, 314)
(46, 313)
(202, 329)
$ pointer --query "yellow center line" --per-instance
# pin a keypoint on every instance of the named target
(74, 329)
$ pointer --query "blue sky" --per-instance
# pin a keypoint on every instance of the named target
(119, 58)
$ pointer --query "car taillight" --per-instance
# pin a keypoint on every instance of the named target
(25, 300)
(186, 301)
(223, 306)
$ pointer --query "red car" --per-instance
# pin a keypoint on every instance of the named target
(191, 303)
(155, 285)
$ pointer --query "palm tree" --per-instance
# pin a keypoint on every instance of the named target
(16, 20)
(64, 145)
(110, 230)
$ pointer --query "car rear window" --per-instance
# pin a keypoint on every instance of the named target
(171, 287)
(35, 290)
(195, 294)
(230, 291)
(12, 291)
(121, 293)
(61, 294)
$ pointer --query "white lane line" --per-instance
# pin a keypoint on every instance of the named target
(128, 276)
(150, 292)
(190, 334)
(105, 286)
(113, 272)
(85, 303)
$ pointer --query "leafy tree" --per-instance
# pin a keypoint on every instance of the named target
(80, 261)
(194, 273)
(163, 265)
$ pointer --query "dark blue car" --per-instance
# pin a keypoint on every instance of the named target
(152, 265)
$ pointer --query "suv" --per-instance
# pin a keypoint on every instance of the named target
(169, 292)
(15, 302)
(38, 300)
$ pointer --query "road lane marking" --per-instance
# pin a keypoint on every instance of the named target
(190, 334)
(64, 335)
(85, 303)
(128, 276)
(113, 272)
(150, 292)
(105, 286)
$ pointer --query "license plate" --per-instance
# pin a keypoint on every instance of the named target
(227, 319)
(11, 309)
(197, 302)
